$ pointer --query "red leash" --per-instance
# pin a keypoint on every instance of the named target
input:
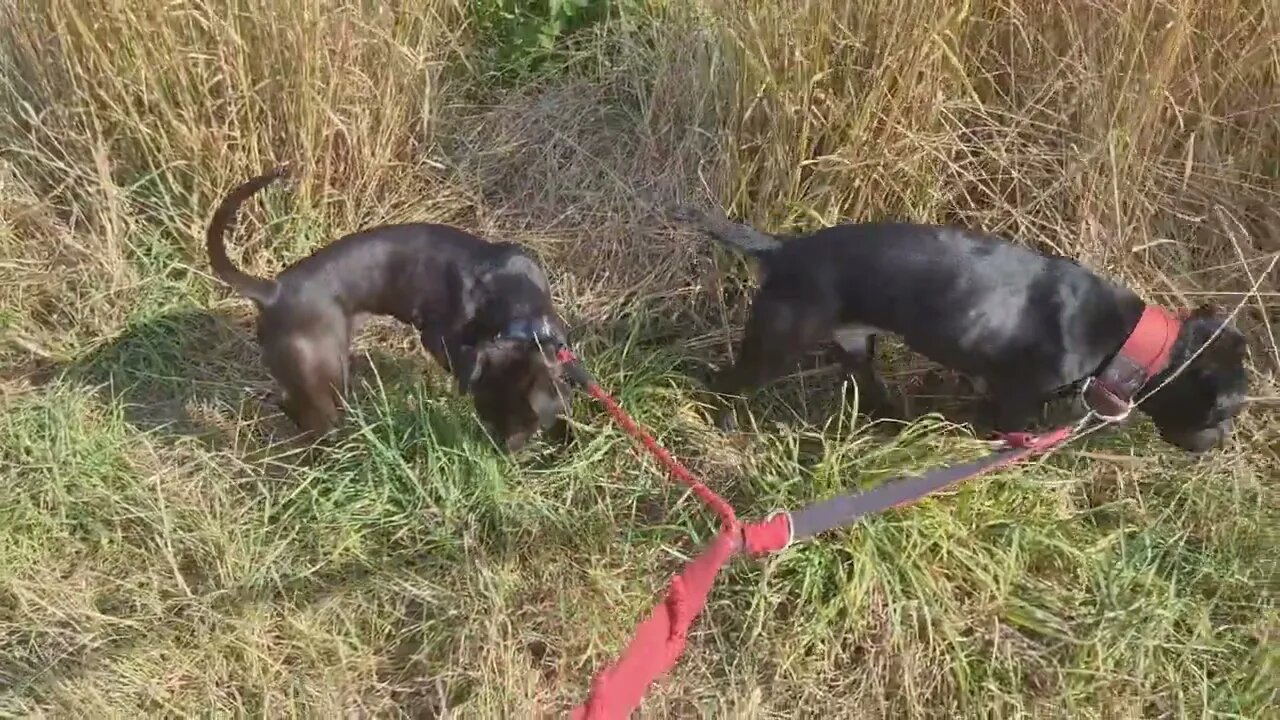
(660, 638)
(718, 504)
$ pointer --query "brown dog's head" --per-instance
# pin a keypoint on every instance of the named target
(1198, 407)
(519, 388)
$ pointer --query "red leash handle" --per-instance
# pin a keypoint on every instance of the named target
(660, 639)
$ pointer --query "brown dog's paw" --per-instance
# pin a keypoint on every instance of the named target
(266, 396)
(560, 433)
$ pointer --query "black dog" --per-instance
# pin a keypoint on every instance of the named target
(483, 311)
(1026, 325)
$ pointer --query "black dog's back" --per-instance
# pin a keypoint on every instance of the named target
(967, 300)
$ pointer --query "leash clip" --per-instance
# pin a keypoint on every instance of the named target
(1088, 391)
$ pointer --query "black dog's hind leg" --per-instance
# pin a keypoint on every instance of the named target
(777, 335)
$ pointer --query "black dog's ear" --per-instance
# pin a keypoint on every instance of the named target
(1227, 350)
(1206, 310)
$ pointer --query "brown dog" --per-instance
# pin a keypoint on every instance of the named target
(483, 311)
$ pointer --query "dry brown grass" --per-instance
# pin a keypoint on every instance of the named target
(145, 570)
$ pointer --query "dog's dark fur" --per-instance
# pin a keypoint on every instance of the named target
(458, 290)
(1026, 325)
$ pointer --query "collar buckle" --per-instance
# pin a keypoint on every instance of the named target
(539, 331)
(1104, 403)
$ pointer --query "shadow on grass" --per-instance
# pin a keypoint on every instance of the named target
(410, 473)
(194, 373)
(191, 375)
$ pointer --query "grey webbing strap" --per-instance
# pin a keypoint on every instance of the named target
(845, 509)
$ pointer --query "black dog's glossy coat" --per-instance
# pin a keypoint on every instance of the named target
(458, 290)
(1025, 324)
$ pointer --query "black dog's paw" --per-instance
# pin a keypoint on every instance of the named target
(727, 420)
(885, 409)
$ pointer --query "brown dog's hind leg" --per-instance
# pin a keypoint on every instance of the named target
(313, 374)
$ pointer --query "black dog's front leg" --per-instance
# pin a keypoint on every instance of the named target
(755, 368)
(856, 348)
(1014, 409)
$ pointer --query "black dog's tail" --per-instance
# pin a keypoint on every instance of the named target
(262, 291)
(738, 236)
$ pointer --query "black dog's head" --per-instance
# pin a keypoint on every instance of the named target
(519, 388)
(1197, 409)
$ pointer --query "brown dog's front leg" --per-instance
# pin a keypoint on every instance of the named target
(451, 355)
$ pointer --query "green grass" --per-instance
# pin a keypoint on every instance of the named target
(166, 550)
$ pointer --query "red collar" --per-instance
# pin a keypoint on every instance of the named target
(1145, 354)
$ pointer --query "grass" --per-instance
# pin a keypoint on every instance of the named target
(164, 551)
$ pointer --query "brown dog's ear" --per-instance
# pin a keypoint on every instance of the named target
(487, 357)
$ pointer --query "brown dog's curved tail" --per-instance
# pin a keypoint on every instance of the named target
(261, 290)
